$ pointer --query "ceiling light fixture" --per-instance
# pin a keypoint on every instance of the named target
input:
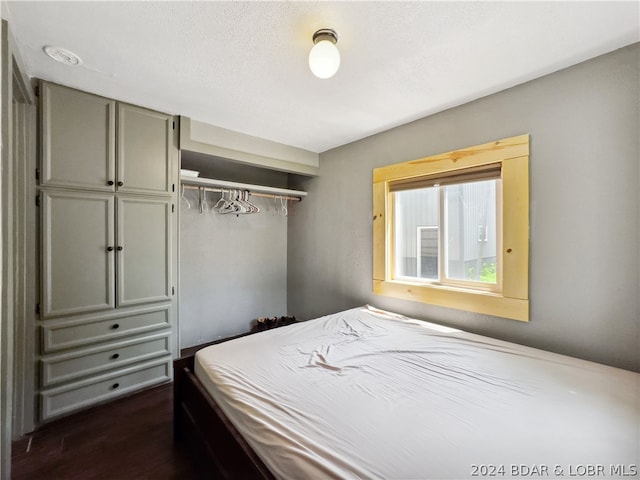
(62, 55)
(324, 58)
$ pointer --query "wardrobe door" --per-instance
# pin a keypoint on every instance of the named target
(144, 150)
(78, 139)
(77, 253)
(143, 250)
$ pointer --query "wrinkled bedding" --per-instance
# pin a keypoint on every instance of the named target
(370, 394)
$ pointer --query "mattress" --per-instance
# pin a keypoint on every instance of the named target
(370, 394)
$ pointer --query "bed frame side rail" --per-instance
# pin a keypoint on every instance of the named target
(202, 426)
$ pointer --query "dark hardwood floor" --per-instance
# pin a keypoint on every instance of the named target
(130, 438)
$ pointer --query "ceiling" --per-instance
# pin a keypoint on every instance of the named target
(243, 65)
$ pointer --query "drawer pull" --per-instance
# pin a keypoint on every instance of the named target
(120, 184)
(110, 249)
(110, 182)
(115, 356)
(120, 247)
(115, 385)
(115, 326)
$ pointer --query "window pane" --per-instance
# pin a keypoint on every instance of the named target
(470, 232)
(416, 233)
(428, 252)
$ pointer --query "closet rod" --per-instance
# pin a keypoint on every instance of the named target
(224, 184)
(253, 194)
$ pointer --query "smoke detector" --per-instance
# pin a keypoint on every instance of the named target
(62, 55)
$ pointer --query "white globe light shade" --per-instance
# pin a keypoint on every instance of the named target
(324, 59)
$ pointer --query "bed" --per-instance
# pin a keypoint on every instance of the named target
(367, 393)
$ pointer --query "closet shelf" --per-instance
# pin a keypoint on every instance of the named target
(210, 183)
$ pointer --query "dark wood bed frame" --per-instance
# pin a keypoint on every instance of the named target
(200, 425)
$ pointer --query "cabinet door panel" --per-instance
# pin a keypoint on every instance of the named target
(78, 139)
(144, 267)
(144, 150)
(78, 270)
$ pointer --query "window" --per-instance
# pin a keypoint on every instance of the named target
(452, 229)
(447, 234)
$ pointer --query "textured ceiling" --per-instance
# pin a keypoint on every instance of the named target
(243, 65)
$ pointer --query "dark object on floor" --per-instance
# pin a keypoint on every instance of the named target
(267, 323)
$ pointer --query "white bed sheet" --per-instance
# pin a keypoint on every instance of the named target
(370, 394)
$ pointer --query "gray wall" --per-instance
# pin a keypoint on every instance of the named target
(585, 212)
(233, 269)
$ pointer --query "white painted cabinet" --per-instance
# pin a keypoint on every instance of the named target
(81, 255)
(84, 393)
(91, 142)
(78, 235)
(143, 250)
(107, 248)
(77, 139)
(144, 151)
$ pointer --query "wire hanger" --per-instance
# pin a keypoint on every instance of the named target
(184, 197)
(204, 205)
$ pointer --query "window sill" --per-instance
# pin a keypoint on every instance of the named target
(488, 303)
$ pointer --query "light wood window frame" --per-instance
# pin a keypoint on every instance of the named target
(513, 300)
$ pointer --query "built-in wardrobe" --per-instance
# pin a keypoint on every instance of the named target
(137, 261)
(107, 183)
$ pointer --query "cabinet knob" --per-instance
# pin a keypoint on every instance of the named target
(115, 356)
(110, 182)
(110, 249)
(115, 385)
(120, 247)
(120, 184)
(115, 326)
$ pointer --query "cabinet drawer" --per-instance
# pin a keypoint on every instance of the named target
(73, 365)
(70, 334)
(94, 390)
